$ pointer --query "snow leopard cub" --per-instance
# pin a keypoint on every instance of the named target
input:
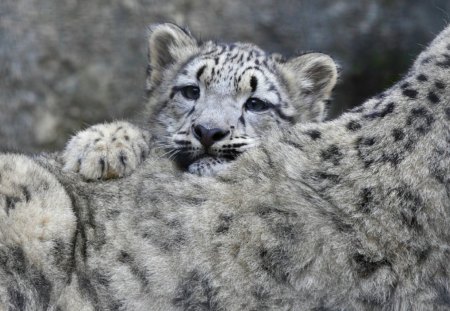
(208, 103)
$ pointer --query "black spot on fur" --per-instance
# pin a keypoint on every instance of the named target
(314, 134)
(443, 296)
(321, 307)
(17, 300)
(439, 84)
(393, 158)
(87, 290)
(253, 83)
(340, 223)
(195, 292)
(398, 134)
(432, 97)
(423, 255)
(60, 252)
(409, 145)
(327, 176)
(365, 266)
(26, 192)
(293, 144)
(265, 210)
(101, 278)
(17, 260)
(44, 289)
(224, 223)
(366, 199)
(447, 113)
(200, 72)
(421, 119)
(438, 167)
(410, 93)
(389, 108)
(11, 203)
(353, 125)
(136, 270)
(283, 229)
(242, 120)
(404, 85)
(363, 145)
(332, 154)
(444, 63)
(275, 262)
(261, 294)
(410, 204)
(422, 78)
(369, 141)
(123, 257)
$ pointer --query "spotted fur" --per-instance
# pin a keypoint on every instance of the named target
(225, 76)
(350, 214)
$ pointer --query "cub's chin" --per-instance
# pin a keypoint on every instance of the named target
(208, 165)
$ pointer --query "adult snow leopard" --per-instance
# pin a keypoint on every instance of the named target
(350, 214)
(208, 103)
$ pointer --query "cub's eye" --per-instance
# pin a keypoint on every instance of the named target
(256, 105)
(191, 92)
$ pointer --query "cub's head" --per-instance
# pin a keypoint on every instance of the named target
(209, 102)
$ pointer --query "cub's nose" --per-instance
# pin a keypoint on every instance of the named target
(208, 137)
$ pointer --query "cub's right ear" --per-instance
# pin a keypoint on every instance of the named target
(167, 44)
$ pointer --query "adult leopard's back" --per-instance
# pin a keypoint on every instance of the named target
(350, 214)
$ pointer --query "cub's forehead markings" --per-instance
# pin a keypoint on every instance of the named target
(200, 72)
(219, 64)
(253, 83)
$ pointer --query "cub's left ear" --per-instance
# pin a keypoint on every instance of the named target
(311, 78)
(168, 44)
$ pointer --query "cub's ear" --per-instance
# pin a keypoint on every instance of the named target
(168, 44)
(311, 77)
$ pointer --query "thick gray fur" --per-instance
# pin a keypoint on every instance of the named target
(351, 214)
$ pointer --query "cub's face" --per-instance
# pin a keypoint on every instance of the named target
(211, 102)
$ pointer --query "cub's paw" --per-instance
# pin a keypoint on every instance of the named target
(106, 151)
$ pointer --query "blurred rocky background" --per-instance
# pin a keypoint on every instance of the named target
(68, 64)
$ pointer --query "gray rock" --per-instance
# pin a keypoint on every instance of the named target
(68, 64)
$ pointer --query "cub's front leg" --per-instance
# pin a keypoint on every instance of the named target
(105, 151)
